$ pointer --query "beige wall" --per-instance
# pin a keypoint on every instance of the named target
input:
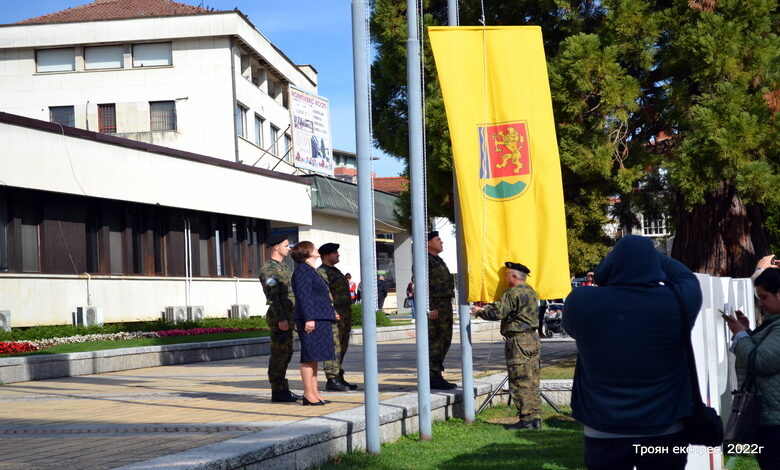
(35, 299)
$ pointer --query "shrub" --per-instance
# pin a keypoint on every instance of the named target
(357, 317)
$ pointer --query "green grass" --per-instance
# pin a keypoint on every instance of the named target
(482, 445)
(560, 370)
(138, 342)
(743, 462)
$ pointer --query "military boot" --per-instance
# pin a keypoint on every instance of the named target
(526, 424)
(439, 383)
(283, 396)
(351, 386)
(336, 385)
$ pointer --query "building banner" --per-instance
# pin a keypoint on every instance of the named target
(310, 117)
(497, 98)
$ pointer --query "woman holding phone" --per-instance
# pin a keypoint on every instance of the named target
(765, 342)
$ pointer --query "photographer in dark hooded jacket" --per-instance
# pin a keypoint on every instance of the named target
(631, 381)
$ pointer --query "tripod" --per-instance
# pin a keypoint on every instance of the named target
(501, 387)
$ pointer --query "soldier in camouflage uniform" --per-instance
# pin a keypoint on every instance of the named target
(519, 321)
(440, 293)
(275, 277)
(342, 302)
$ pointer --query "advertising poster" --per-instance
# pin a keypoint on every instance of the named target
(310, 117)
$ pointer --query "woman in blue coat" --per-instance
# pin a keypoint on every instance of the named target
(314, 316)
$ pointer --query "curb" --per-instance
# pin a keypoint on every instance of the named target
(315, 441)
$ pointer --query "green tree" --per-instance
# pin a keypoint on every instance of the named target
(667, 106)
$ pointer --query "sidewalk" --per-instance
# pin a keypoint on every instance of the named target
(109, 420)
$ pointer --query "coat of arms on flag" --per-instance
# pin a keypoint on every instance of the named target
(505, 163)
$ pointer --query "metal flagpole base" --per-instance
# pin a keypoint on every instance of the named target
(500, 387)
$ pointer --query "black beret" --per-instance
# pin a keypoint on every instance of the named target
(433, 234)
(328, 248)
(517, 267)
(275, 239)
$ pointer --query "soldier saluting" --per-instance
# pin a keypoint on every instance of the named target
(342, 302)
(275, 277)
(519, 322)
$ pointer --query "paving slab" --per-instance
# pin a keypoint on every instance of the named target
(110, 420)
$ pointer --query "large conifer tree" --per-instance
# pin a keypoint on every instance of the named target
(669, 105)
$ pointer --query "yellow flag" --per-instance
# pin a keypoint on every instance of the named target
(497, 98)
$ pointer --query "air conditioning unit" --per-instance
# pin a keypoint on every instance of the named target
(239, 311)
(5, 320)
(196, 313)
(88, 316)
(175, 314)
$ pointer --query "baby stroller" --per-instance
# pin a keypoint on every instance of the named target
(553, 320)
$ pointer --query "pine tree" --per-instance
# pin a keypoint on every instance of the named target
(669, 107)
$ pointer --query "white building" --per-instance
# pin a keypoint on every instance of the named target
(177, 215)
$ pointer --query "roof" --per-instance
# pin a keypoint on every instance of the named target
(391, 184)
(117, 9)
(340, 197)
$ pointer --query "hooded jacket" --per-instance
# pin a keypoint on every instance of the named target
(631, 375)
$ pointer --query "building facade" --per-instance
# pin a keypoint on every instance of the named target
(146, 157)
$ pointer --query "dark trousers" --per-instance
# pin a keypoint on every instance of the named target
(769, 457)
(620, 454)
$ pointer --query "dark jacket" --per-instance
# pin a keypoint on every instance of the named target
(632, 375)
(312, 298)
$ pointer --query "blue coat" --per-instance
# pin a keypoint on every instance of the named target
(632, 374)
(312, 297)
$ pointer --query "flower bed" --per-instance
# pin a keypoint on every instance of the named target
(13, 347)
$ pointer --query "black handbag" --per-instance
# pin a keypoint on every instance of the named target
(745, 408)
(703, 427)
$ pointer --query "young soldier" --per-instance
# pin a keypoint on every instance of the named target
(275, 277)
(342, 302)
(519, 320)
(440, 293)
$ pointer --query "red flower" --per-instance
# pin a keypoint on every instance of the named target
(10, 347)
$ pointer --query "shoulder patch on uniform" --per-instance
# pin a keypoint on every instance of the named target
(270, 282)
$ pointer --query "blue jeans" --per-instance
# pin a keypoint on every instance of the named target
(411, 305)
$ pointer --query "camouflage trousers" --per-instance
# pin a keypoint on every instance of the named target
(281, 353)
(341, 330)
(523, 367)
(439, 334)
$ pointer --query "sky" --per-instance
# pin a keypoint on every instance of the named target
(315, 32)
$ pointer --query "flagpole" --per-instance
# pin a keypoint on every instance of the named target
(419, 238)
(464, 314)
(366, 222)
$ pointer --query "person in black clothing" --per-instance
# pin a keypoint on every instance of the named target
(381, 292)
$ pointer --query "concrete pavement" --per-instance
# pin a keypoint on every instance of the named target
(108, 420)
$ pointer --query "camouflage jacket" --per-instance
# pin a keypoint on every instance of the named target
(276, 277)
(338, 286)
(440, 284)
(517, 310)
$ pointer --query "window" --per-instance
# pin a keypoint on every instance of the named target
(29, 216)
(652, 227)
(62, 115)
(56, 60)
(92, 228)
(287, 147)
(152, 55)
(3, 231)
(104, 57)
(115, 229)
(259, 122)
(107, 118)
(274, 139)
(241, 120)
(162, 115)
